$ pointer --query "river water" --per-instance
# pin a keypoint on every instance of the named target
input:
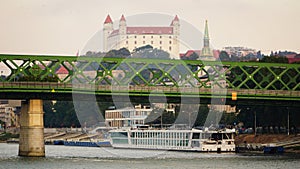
(65, 157)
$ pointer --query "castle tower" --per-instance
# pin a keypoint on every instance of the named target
(122, 25)
(206, 53)
(176, 26)
(176, 32)
(107, 30)
(122, 31)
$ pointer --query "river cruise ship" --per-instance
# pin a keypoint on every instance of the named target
(174, 139)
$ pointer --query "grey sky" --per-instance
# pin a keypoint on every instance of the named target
(64, 26)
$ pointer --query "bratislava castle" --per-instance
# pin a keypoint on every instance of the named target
(161, 37)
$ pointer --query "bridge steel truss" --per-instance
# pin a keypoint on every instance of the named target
(140, 77)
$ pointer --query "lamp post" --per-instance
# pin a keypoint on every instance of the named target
(255, 123)
(254, 120)
(288, 121)
(189, 120)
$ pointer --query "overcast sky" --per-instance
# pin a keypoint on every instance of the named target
(65, 26)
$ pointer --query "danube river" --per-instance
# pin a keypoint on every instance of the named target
(63, 157)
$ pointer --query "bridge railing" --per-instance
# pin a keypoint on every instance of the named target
(139, 90)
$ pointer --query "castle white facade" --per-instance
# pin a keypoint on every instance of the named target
(165, 38)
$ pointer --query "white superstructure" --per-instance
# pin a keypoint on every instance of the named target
(175, 139)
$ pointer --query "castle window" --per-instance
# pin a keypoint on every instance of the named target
(127, 37)
(170, 42)
(151, 36)
(160, 47)
(151, 42)
(170, 48)
(144, 37)
(134, 42)
(143, 42)
(126, 42)
(160, 42)
(134, 36)
(160, 37)
(170, 37)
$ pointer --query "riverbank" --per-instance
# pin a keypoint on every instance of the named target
(264, 139)
(251, 142)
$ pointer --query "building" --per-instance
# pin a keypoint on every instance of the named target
(161, 37)
(127, 117)
(239, 51)
(9, 113)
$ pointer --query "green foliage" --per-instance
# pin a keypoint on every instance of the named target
(268, 115)
(274, 59)
(6, 136)
(202, 115)
(143, 48)
(160, 116)
(121, 53)
(94, 54)
(150, 53)
(224, 56)
(61, 114)
(32, 78)
(229, 118)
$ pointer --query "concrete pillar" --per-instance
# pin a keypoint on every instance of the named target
(32, 129)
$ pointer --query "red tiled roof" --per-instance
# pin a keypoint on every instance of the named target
(62, 70)
(290, 55)
(108, 19)
(149, 30)
(216, 53)
(292, 60)
(188, 53)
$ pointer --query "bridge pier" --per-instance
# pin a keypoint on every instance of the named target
(31, 142)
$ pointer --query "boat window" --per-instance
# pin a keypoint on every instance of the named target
(119, 134)
(217, 136)
(196, 135)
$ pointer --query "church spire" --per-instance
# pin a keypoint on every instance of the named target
(206, 35)
(206, 52)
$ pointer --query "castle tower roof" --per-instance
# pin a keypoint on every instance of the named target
(176, 19)
(108, 20)
(122, 18)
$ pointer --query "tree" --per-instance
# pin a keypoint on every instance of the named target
(160, 116)
(202, 115)
(150, 53)
(142, 48)
(121, 53)
(224, 56)
(274, 59)
(60, 114)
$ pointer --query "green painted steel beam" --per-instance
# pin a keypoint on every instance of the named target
(64, 73)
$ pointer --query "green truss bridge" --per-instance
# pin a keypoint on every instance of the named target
(58, 77)
(36, 78)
